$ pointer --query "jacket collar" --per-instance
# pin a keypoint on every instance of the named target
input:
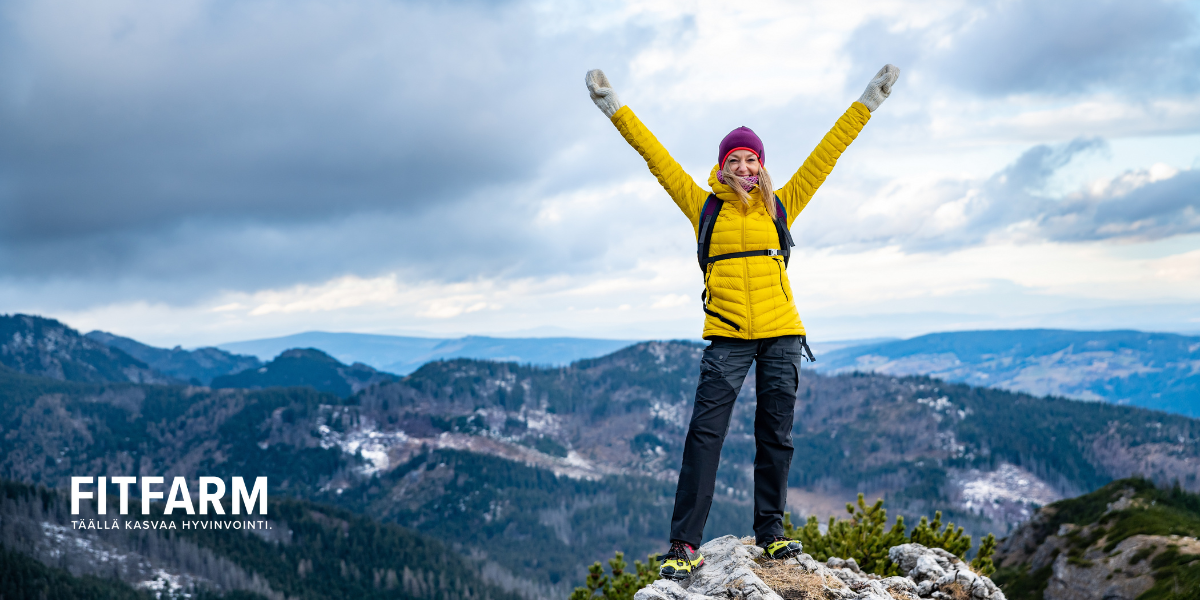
(724, 191)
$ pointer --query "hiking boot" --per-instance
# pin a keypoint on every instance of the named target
(780, 548)
(680, 561)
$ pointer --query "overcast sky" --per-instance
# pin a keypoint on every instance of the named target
(196, 172)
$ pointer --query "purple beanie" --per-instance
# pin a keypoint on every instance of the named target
(742, 138)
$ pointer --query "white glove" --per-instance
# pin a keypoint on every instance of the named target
(602, 93)
(879, 89)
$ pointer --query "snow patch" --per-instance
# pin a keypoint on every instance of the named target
(1008, 495)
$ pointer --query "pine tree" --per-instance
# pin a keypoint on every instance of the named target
(621, 585)
(862, 537)
(983, 559)
(931, 535)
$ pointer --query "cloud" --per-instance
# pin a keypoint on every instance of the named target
(130, 130)
(279, 166)
(1013, 205)
(1146, 204)
(586, 231)
(1010, 47)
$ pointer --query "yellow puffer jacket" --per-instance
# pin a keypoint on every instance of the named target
(752, 292)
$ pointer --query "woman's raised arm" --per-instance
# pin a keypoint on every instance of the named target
(679, 185)
(801, 187)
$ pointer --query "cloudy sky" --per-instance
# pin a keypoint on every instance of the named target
(196, 172)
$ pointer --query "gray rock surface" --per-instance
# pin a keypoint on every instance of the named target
(1123, 572)
(733, 569)
(1113, 575)
(939, 574)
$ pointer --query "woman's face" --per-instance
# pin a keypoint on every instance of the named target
(742, 163)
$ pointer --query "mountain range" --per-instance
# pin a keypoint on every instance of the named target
(512, 464)
(403, 355)
(197, 366)
(532, 473)
(1152, 370)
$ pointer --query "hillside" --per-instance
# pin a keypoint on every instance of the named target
(307, 368)
(1152, 370)
(1126, 540)
(403, 355)
(59, 429)
(577, 462)
(198, 366)
(986, 456)
(48, 348)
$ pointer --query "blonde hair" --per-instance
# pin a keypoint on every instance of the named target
(766, 191)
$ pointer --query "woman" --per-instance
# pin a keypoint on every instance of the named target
(742, 232)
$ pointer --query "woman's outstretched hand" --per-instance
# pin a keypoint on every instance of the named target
(878, 90)
(602, 93)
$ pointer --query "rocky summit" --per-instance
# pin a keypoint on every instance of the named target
(1128, 540)
(735, 568)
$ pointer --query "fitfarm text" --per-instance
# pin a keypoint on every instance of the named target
(179, 496)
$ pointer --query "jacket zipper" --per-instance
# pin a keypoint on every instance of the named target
(746, 273)
(707, 297)
(779, 263)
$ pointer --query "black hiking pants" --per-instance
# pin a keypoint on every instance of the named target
(723, 370)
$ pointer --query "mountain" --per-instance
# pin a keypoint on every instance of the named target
(45, 347)
(1153, 370)
(513, 464)
(987, 457)
(403, 355)
(310, 551)
(1126, 540)
(306, 367)
(197, 366)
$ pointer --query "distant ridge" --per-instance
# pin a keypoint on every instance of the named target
(48, 348)
(306, 367)
(1153, 370)
(403, 355)
(197, 366)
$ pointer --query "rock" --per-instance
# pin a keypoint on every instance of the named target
(940, 574)
(1020, 545)
(921, 563)
(1044, 555)
(901, 588)
(859, 582)
(664, 589)
(849, 563)
(734, 570)
(729, 567)
(927, 569)
(975, 585)
(1113, 575)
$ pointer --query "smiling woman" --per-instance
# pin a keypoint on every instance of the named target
(743, 244)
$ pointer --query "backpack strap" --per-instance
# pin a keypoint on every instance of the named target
(781, 229)
(708, 218)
